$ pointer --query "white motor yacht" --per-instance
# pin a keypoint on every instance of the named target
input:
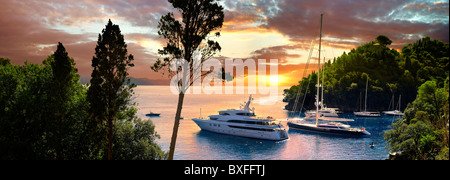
(243, 122)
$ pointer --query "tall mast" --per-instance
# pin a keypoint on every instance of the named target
(365, 101)
(318, 72)
(323, 83)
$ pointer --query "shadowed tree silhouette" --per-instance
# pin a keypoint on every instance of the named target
(199, 19)
(107, 94)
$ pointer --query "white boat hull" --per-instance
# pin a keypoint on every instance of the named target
(394, 113)
(367, 114)
(241, 130)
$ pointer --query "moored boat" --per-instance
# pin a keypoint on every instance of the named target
(243, 122)
(333, 125)
(329, 128)
(152, 114)
(366, 113)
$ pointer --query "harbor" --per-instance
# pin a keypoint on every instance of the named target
(196, 144)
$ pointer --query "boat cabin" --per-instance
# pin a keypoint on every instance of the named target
(236, 113)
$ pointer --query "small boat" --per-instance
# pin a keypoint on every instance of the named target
(152, 114)
(367, 114)
(395, 112)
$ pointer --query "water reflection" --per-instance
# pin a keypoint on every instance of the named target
(221, 146)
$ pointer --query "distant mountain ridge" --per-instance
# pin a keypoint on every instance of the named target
(137, 81)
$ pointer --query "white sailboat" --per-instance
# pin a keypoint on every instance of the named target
(324, 111)
(332, 125)
(366, 113)
(396, 112)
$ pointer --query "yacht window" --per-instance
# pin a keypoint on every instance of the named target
(222, 113)
(252, 122)
(252, 128)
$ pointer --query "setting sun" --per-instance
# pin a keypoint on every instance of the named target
(275, 80)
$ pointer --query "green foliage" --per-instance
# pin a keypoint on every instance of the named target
(5, 61)
(423, 132)
(199, 19)
(135, 140)
(389, 73)
(62, 88)
(107, 94)
(23, 104)
(420, 71)
(383, 40)
(45, 112)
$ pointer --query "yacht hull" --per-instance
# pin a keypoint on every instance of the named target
(394, 113)
(366, 114)
(239, 130)
(314, 128)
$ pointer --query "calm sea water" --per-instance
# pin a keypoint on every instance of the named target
(195, 144)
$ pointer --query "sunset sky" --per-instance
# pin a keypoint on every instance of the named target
(258, 29)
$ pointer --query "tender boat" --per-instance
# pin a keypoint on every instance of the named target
(243, 122)
(152, 114)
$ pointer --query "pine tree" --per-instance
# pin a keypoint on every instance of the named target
(58, 124)
(107, 93)
(199, 19)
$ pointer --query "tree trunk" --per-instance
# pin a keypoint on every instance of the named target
(175, 125)
(110, 129)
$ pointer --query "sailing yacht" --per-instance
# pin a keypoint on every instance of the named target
(332, 125)
(323, 111)
(366, 113)
(242, 122)
(396, 112)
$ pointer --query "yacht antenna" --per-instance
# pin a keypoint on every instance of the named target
(323, 83)
(365, 101)
(247, 105)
